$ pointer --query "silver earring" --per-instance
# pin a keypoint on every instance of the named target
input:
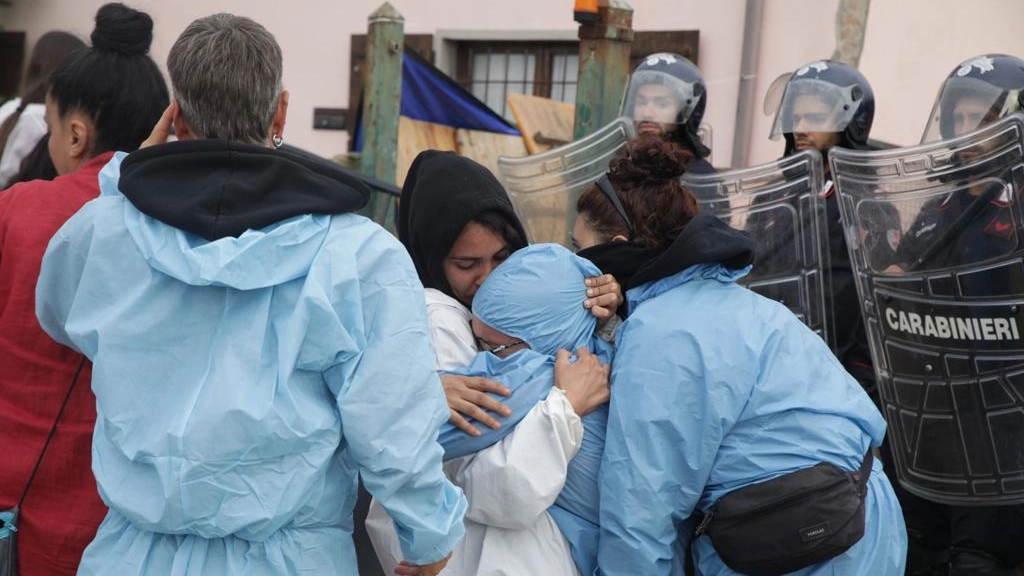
(277, 140)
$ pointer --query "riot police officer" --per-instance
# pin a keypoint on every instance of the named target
(667, 96)
(819, 106)
(971, 224)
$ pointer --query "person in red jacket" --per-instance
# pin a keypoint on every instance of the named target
(100, 100)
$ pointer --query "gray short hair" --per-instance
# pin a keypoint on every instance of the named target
(226, 74)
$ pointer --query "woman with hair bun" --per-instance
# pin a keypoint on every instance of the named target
(606, 235)
(22, 120)
(716, 389)
(99, 100)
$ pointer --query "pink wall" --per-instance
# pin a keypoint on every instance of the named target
(910, 46)
(314, 35)
(793, 33)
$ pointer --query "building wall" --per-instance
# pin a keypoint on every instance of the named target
(909, 47)
(912, 45)
(315, 36)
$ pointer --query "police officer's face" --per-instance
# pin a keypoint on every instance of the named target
(969, 114)
(655, 109)
(476, 252)
(810, 120)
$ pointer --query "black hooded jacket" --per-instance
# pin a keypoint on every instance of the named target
(442, 193)
(705, 240)
(217, 189)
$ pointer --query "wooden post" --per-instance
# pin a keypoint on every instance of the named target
(604, 66)
(382, 104)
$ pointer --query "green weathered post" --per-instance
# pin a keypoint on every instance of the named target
(382, 103)
(604, 66)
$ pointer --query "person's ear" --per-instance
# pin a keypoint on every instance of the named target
(81, 136)
(277, 125)
(182, 130)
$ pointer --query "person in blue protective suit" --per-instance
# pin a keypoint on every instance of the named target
(527, 315)
(255, 344)
(716, 389)
(532, 302)
(458, 224)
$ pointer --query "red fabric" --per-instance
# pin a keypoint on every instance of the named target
(63, 509)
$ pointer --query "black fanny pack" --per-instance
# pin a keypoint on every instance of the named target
(790, 522)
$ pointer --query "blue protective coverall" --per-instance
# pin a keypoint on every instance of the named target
(717, 388)
(536, 295)
(243, 382)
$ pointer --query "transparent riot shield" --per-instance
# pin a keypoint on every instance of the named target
(782, 205)
(544, 187)
(934, 236)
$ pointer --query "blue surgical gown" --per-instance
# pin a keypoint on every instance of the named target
(716, 388)
(242, 383)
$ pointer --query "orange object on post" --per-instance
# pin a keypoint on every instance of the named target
(585, 11)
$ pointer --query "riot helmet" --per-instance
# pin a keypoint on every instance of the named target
(667, 91)
(849, 103)
(978, 92)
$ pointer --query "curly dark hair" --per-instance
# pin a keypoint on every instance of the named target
(647, 183)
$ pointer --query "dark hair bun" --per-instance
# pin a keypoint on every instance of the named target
(652, 160)
(121, 29)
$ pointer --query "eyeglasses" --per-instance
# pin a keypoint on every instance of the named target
(605, 186)
(487, 346)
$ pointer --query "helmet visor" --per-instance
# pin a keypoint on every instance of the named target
(966, 104)
(815, 106)
(660, 98)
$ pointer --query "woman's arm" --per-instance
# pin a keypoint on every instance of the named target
(512, 483)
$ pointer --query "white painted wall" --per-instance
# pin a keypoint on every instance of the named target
(793, 33)
(910, 46)
(315, 36)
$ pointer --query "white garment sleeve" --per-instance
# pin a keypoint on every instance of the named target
(450, 331)
(512, 483)
(31, 126)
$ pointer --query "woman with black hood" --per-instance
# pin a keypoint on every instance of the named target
(716, 388)
(457, 223)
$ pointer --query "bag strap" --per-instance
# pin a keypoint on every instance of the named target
(862, 474)
(53, 430)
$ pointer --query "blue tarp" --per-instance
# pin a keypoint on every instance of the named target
(431, 96)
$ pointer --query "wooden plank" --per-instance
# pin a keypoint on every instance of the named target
(549, 119)
(415, 136)
(485, 147)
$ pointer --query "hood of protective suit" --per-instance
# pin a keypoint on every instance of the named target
(537, 295)
(705, 240)
(442, 193)
(210, 212)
